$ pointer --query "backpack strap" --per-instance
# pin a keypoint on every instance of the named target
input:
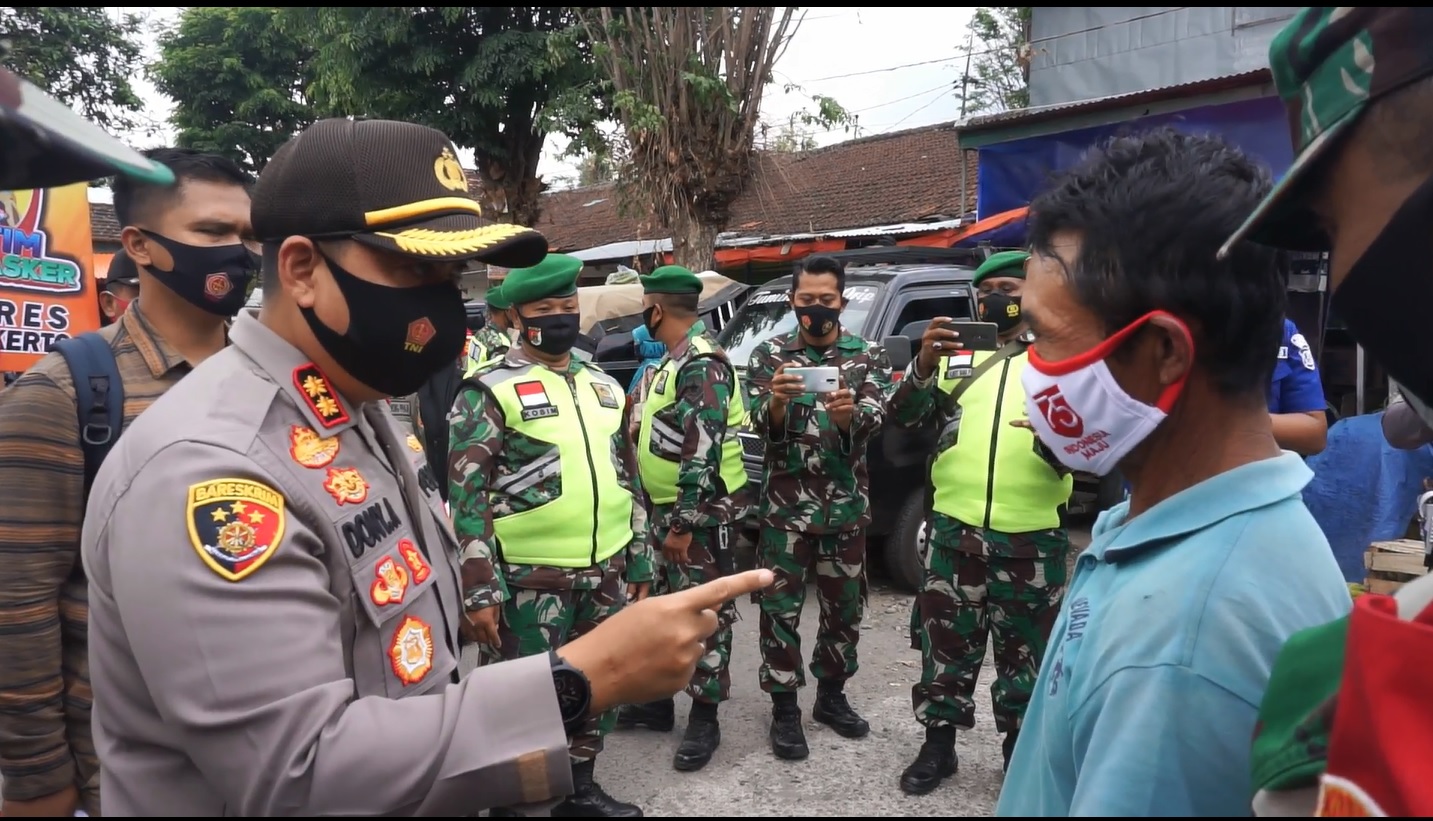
(99, 397)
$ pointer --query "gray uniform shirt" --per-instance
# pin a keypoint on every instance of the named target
(274, 599)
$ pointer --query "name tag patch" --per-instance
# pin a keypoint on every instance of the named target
(606, 397)
(959, 365)
(535, 402)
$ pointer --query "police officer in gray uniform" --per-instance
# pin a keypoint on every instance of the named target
(275, 602)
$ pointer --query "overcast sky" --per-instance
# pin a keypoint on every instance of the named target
(892, 67)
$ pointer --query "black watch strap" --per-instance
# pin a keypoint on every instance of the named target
(678, 526)
(574, 693)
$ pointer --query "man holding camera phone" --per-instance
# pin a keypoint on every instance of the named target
(814, 504)
(996, 557)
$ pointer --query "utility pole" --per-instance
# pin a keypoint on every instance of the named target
(965, 78)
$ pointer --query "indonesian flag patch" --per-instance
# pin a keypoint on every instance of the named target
(534, 400)
(960, 365)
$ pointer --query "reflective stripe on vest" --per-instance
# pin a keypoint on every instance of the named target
(1026, 492)
(659, 444)
(591, 519)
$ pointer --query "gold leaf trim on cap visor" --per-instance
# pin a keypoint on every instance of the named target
(422, 208)
(428, 242)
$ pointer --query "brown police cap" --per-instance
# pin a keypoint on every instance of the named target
(390, 185)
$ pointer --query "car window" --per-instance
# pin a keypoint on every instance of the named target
(926, 308)
(768, 314)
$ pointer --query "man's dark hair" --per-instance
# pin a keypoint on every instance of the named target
(1151, 210)
(135, 200)
(820, 265)
(682, 305)
(269, 270)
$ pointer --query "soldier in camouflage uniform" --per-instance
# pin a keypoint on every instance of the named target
(995, 564)
(492, 340)
(692, 473)
(814, 504)
(547, 515)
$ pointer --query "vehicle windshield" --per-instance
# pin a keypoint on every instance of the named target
(768, 314)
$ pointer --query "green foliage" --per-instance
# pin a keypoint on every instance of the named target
(238, 80)
(493, 79)
(81, 55)
(997, 53)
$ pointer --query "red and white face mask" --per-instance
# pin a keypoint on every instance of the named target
(1082, 414)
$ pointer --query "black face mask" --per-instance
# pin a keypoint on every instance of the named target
(213, 278)
(397, 337)
(818, 320)
(1384, 300)
(1002, 309)
(553, 334)
(647, 320)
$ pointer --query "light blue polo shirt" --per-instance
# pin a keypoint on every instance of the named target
(1146, 702)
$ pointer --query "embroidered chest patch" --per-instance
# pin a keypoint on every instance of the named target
(534, 400)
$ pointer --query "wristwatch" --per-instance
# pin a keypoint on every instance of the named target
(574, 693)
(678, 526)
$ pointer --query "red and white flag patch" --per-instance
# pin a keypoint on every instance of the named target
(532, 395)
(962, 359)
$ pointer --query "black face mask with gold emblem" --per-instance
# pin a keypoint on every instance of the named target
(397, 337)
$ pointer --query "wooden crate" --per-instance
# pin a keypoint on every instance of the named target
(1393, 564)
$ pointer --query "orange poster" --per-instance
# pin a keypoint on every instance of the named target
(47, 285)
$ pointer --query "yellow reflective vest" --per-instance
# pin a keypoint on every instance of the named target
(992, 476)
(591, 518)
(659, 440)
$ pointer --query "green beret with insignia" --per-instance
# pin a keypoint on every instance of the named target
(555, 276)
(496, 300)
(1003, 264)
(671, 279)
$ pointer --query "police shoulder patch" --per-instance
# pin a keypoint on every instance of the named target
(317, 393)
(235, 525)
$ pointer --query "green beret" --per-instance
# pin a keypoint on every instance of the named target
(555, 276)
(1003, 264)
(496, 300)
(671, 279)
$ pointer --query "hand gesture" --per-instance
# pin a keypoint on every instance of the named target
(650, 648)
(937, 341)
(675, 547)
(481, 626)
(785, 386)
(841, 407)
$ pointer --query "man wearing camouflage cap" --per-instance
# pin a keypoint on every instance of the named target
(1353, 722)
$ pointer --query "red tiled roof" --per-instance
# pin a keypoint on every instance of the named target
(904, 176)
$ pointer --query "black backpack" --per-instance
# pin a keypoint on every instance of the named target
(99, 397)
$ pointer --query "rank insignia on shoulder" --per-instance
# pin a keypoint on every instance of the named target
(235, 525)
(309, 449)
(391, 584)
(606, 397)
(413, 557)
(346, 485)
(318, 394)
(411, 652)
(660, 386)
(413, 444)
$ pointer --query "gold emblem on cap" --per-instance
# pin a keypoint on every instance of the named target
(450, 175)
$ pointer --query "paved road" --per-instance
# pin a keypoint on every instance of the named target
(841, 778)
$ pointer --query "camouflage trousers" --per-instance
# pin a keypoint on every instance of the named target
(838, 561)
(534, 621)
(711, 681)
(983, 584)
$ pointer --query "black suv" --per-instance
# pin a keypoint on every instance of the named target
(893, 294)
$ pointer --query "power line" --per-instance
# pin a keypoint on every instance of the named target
(995, 50)
(901, 99)
(919, 110)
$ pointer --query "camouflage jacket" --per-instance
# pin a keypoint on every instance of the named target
(704, 391)
(493, 340)
(478, 453)
(814, 478)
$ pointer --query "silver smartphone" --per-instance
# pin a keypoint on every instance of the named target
(818, 380)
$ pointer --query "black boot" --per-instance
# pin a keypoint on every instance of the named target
(934, 763)
(702, 738)
(588, 800)
(1007, 747)
(788, 740)
(654, 715)
(835, 712)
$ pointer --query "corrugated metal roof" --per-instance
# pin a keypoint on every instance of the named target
(1024, 116)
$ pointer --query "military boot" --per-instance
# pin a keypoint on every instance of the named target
(788, 740)
(702, 738)
(935, 762)
(654, 715)
(835, 712)
(589, 800)
(1007, 748)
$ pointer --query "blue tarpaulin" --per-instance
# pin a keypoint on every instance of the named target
(1013, 172)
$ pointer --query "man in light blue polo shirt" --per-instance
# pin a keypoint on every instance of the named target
(1152, 356)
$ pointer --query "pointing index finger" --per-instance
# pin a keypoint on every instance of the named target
(714, 593)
